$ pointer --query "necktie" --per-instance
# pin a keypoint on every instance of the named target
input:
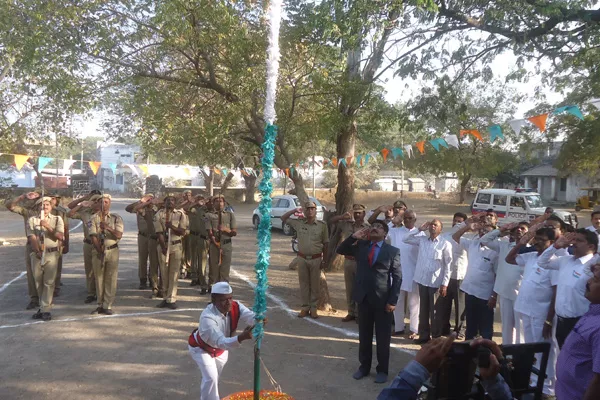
(372, 254)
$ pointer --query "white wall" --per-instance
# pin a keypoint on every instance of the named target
(23, 178)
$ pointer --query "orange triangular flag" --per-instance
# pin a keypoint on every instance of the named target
(287, 172)
(95, 166)
(421, 146)
(349, 160)
(473, 132)
(217, 171)
(385, 153)
(20, 160)
(539, 121)
(334, 161)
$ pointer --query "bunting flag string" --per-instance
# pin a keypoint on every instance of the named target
(495, 133)
(409, 150)
(43, 161)
(517, 124)
(539, 121)
(473, 132)
(385, 153)
(421, 146)
(67, 164)
(20, 161)
(367, 157)
(113, 168)
(95, 166)
(144, 169)
(574, 110)
(452, 140)
(595, 103)
(397, 152)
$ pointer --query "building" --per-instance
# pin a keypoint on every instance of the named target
(113, 173)
(553, 186)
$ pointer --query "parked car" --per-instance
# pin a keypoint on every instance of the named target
(283, 204)
(515, 205)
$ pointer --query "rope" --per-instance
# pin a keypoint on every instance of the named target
(274, 383)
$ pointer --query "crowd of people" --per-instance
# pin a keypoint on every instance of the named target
(179, 235)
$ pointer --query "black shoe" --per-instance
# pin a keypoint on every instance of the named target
(381, 377)
(37, 315)
(56, 292)
(159, 294)
(98, 310)
(359, 374)
(32, 305)
(422, 340)
(194, 282)
(398, 333)
(90, 299)
(143, 286)
(162, 304)
(203, 291)
(46, 316)
(108, 311)
(172, 306)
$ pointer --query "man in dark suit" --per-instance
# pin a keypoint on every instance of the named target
(376, 291)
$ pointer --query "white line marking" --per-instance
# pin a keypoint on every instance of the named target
(78, 225)
(101, 317)
(7, 284)
(291, 313)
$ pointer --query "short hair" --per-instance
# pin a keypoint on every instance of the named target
(527, 224)
(548, 232)
(554, 217)
(460, 215)
(440, 221)
(590, 237)
(595, 213)
(399, 203)
(411, 212)
(95, 191)
(386, 228)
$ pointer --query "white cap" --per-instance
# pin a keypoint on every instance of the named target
(221, 288)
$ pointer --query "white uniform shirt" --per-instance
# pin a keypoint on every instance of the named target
(508, 276)
(573, 274)
(459, 255)
(481, 270)
(433, 261)
(536, 291)
(408, 254)
(215, 328)
(593, 229)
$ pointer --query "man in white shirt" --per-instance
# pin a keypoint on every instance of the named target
(408, 262)
(573, 274)
(209, 345)
(508, 278)
(479, 280)
(595, 226)
(455, 296)
(432, 275)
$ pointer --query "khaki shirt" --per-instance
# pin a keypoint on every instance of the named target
(199, 220)
(227, 220)
(113, 221)
(178, 220)
(311, 237)
(142, 224)
(349, 227)
(85, 215)
(56, 224)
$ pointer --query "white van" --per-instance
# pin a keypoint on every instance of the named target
(515, 205)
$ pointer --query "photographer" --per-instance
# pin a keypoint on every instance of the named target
(431, 356)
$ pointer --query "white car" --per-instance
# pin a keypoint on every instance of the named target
(283, 204)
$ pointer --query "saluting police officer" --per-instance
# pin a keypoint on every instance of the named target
(198, 242)
(106, 230)
(60, 211)
(143, 239)
(186, 258)
(313, 238)
(84, 209)
(45, 235)
(171, 225)
(220, 231)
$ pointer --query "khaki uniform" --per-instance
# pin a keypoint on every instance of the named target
(199, 245)
(311, 238)
(61, 212)
(106, 273)
(347, 229)
(152, 246)
(26, 213)
(45, 274)
(143, 240)
(220, 258)
(170, 273)
(85, 215)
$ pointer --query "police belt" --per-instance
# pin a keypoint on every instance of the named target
(199, 234)
(143, 233)
(310, 257)
(87, 241)
(51, 249)
(174, 242)
(114, 246)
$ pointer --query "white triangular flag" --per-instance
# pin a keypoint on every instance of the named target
(517, 124)
(67, 164)
(409, 150)
(133, 169)
(452, 140)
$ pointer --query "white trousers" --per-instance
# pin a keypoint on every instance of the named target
(210, 368)
(532, 332)
(413, 309)
(511, 325)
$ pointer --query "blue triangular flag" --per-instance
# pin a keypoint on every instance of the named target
(343, 162)
(495, 133)
(397, 152)
(574, 110)
(225, 171)
(42, 162)
(435, 144)
(367, 156)
(442, 142)
(113, 167)
(358, 159)
(291, 171)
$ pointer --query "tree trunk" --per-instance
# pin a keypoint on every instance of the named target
(209, 180)
(324, 303)
(227, 182)
(250, 184)
(463, 187)
(299, 186)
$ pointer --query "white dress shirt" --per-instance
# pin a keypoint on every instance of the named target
(481, 270)
(597, 231)
(459, 255)
(573, 274)
(433, 261)
(508, 276)
(215, 328)
(536, 292)
(408, 254)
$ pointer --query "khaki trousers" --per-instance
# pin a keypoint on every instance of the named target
(186, 257)
(31, 287)
(170, 273)
(349, 276)
(106, 276)
(45, 277)
(143, 254)
(199, 250)
(219, 272)
(153, 256)
(58, 268)
(309, 273)
(90, 280)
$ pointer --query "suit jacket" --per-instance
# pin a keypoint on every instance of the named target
(379, 283)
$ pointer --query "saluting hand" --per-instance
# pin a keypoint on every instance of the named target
(526, 238)
(509, 227)
(362, 234)
(347, 216)
(32, 195)
(565, 240)
(425, 226)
